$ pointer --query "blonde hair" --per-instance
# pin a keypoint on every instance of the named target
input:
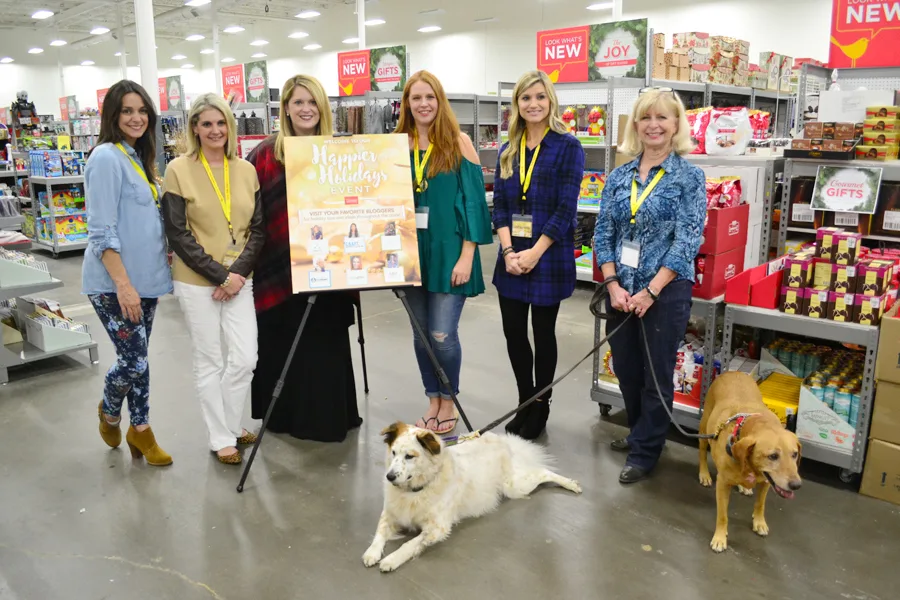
(517, 123)
(443, 131)
(206, 102)
(667, 101)
(315, 89)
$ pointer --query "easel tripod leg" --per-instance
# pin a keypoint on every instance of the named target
(362, 346)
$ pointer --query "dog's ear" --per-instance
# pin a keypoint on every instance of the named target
(429, 441)
(743, 454)
(392, 432)
(799, 453)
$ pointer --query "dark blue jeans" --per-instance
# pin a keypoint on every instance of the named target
(438, 315)
(665, 324)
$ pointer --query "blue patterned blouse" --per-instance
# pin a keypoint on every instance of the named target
(552, 201)
(668, 226)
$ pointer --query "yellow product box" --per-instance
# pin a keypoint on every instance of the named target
(879, 153)
(881, 138)
(781, 408)
(883, 112)
(889, 125)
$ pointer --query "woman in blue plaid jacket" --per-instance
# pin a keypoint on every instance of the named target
(537, 184)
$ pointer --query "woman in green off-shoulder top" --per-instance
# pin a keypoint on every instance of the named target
(451, 221)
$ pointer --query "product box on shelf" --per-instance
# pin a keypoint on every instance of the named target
(815, 302)
(726, 229)
(696, 56)
(659, 41)
(886, 220)
(843, 279)
(846, 248)
(714, 270)
(770, 64)
(881, 475)
(741, 62)
(693, 39)
(883, 112)
(660, 71)
(841, 307)
(759, 80)
(877, 153)
(868, 309)
(818, 423)
(798, 270)
(886, 413)
(700, 73)
(819, 130)
(793, 301)
(787, 74)
(887, 367)
(874, 125)
(759, 286)
(825, 242)
(721, 75)
(874, 277)
(720, 58)
(881, 138)
(740, 77)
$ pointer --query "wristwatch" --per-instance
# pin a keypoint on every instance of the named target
(653, 294)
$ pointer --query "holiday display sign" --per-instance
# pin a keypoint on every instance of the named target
(64, 108)
(594, 52)
(163, 95)
(864, 33)
(847, 189)
(233, 82)
(174, 93)
(351, 213)
(101, 96)
(256, 76)
(375, 69)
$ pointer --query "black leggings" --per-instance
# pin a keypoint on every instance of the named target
(533, 371)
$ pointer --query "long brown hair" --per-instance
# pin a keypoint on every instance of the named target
(443, 131)
(110, 132)
(315, 89)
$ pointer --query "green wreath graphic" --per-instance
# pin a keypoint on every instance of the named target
(599, 33)
(375, 57)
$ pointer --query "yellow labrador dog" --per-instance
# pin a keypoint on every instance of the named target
(430, 487)
(752, 449)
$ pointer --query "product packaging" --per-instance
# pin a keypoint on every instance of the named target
(692, 39)
(843, 278)
(845, 131)
(721, 75)
(700, 73)
(798, 270)
(819, 130)
(877, 153)
(870, 125)
(792, 301)
(883, 112)
(825, 242)
(770, 63)
(698, 120)
(887, 216)
(801, 144)
(846, 248)
(740, 77)
(881, 138)
(874, 277)
(868, 309)
(841, 307)
(815, 303)
(729, 132)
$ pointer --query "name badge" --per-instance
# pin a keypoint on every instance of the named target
(422, 217)
(231, 255)
(631, 254)
(522, 226)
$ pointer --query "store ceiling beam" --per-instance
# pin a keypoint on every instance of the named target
(69, 13)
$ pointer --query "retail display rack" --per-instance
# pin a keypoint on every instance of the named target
(54, 240)
(21, 276)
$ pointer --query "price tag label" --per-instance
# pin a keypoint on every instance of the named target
(802, 213)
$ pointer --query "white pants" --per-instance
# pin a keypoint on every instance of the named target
(223, 388)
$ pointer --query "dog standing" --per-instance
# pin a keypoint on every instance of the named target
(752, 448)
(430, 487)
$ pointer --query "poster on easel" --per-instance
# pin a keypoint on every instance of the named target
(351, 213)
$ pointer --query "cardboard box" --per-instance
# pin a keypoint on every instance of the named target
(833, 146)
(872, 125)
(659, 40)
(715, 270)
(740, 77)
(874, 277)
(886, 413)
(887, 367)
(841, 307)
(798, 270)
(843, 279)
(815, 303)
(759, 80)
(845, 131)
(792, 301)
(671, 73)
(659, 71)
(820, 424)
(700, 73)
(684, 73)
(825, 242)
(801, 144)
(846, 248)
(721, 75)
(742, 63)
(881, 475)
(819, 130)
(726, 229)
(868, 309)
(770, 64)
(693, 39)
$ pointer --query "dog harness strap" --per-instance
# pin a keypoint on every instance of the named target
(736, 431)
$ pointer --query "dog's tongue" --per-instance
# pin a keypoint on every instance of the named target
(786, 494)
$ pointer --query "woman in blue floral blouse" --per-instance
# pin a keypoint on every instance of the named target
(537, 183)
(648, 233)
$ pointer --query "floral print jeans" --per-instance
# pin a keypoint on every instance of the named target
(129, 376)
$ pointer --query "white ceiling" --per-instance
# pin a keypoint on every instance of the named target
(74, 19)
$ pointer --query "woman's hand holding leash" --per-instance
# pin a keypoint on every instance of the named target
(640, 303)
(619, 298)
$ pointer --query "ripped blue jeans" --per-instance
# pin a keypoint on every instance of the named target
(438, 315)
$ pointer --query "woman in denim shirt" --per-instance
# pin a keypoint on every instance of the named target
(648, 233)
(125, 266)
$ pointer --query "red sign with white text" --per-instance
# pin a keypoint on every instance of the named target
(64, 108)
(865, 33)
(101, 95)
(563, 54)
(353, 73)
(233, 82)
(4, 116)
(163, 96)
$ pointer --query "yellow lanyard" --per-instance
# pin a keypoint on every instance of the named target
(637, 202)
(525, 178)
(420, 164)
(140, 172)
(226, 200)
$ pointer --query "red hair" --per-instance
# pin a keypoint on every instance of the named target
(443, 131)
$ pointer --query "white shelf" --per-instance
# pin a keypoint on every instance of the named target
(584, 274)
(595, 210)
(58, 180)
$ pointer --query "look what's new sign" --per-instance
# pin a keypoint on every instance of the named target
(594, 52)
(865, 33)
(375, 69)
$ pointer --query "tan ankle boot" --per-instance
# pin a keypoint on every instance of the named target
(110, 433)
(143, 443)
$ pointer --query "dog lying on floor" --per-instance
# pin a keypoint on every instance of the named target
(430, 487)
(752, 449)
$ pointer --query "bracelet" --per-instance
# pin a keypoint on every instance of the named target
(653, 294)
(612, 278)
(507, 250)
(226, 282)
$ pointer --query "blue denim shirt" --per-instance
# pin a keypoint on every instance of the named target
(122, 216)
(668, 225)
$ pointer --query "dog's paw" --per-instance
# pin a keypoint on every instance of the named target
(719, 543)
(706, 480)
(574, 487)
(390, 563)
(745, 491)
(371, 557)
(760, 527)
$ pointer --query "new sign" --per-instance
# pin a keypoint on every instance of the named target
(376, 69)
(864, 33)
(233, 82)
(594, 52)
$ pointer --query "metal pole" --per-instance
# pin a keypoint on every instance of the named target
(217, 67)
(122, 61)
(361, 23)
(617, 9)
(62, 77)
(146, 43)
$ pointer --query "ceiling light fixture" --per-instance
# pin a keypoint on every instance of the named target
(487, 20)
(258, 55)
(187, 66)
(297, 35)
(259, 42)
(207, 51)
(99, 30)
(42, 14)
(233, 29)
(196, 2)
(58, 43)
(195, 37)
(353, 40)
(35, 51)
(312, 46)
(87, 63)
(372, 22)
(6, 60)
(119, 54)
(227, 59)
(429, 29)
(179, 57)
(601, 6)
(308, 14)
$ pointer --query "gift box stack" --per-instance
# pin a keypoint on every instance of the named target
(659, 56)
(880, 134)
(838, 280)
(694, 45)
(778, 69)
(722, 250)
(828, 137)
(729, 61)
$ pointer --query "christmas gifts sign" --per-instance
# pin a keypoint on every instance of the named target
(351, 213)
(847, 189)
(594, 52)
(256, 76)
(374, 69)
(864, 33)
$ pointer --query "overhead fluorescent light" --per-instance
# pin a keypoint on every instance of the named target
(259, 42)
(258, 55)
(6, 60)
(487, 20)
(429, 29)
(35, 51)
(312, 46)
(372, 22)
(227, 59)
(207, 51)
(601, 6)
(353, 40)
(233, 29)
(119, 54)
(87, 63)
(179, 57)
(58, 43)
(308, 14)
(99, 30)
(196, 2)
(432, 11)
(298, 35)
(42, 14)
(195, 37)
(187, 66)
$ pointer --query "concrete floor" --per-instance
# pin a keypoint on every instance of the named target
(82, 522)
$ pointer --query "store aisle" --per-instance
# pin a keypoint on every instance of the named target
(82, 522)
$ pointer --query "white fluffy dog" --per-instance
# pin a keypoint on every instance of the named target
(430, 487)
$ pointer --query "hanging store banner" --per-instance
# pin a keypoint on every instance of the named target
(64, 108)
(351, 213)
(847, 189)
(101, 95)
(864, 33)
(256, 78)
(163, 96)
(174, 93)
(233, 82)
(594, 52)
(375, 69)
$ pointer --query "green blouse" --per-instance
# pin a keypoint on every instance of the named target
(457, 211)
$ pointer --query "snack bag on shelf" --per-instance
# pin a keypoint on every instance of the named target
(713, 192)
(729, 132)
(730, 192)
(759, 122)
(698, 119)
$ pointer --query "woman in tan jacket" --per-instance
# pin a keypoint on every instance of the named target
(214, 225)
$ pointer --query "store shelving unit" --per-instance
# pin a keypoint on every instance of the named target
(845, 333)
(814, 80)
(608, 395)
(55, 244)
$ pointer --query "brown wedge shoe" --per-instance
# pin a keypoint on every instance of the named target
(143, 444)
(110, 433)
